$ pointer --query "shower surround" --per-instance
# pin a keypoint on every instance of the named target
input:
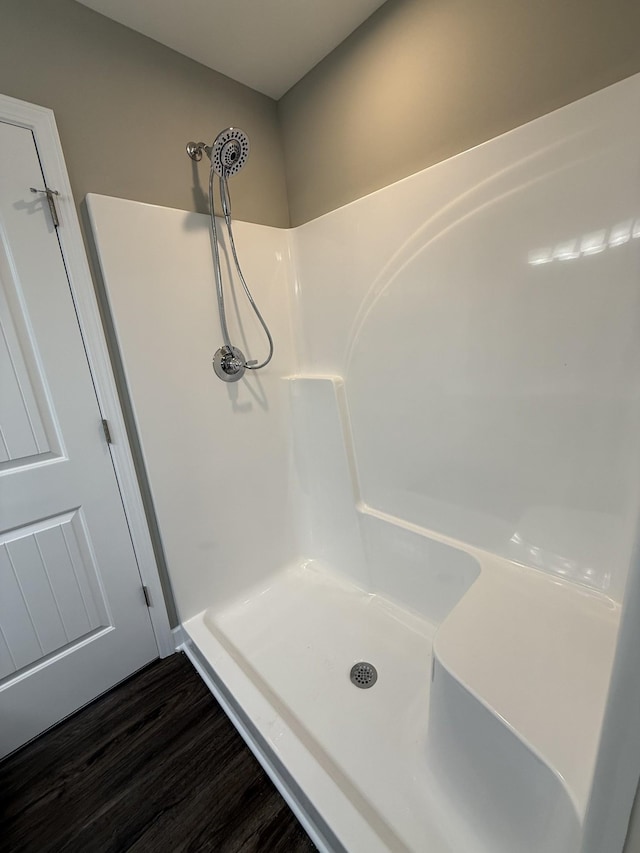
(437, 473)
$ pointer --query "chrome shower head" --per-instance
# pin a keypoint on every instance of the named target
(228, 153)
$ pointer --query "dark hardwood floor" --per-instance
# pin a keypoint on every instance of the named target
(155, 765)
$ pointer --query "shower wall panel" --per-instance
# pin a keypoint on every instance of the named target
(485, 317)
(217, 454)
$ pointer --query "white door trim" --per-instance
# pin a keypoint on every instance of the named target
(41, 122)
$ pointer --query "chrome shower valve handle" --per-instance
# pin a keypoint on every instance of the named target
(229, 364)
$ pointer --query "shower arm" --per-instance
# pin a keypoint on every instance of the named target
(195, 149)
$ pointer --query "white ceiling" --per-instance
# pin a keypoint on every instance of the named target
(266, 44)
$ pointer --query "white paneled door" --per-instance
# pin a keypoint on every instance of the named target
(73, 617)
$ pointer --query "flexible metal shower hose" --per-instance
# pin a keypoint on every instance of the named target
(226, 201)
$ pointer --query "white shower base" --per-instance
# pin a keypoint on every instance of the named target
(361, 767)
(296, 641)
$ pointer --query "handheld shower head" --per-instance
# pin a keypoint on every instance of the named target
(229, 151)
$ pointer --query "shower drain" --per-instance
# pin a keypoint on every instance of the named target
(363, 675)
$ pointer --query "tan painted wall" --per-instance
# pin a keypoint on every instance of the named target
(422, 80)
(126, 106)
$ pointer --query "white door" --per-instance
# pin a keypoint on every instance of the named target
(73, 618)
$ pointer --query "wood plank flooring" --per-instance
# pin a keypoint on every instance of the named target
(154, 765)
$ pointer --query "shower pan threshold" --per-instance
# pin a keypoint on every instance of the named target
(350, 762)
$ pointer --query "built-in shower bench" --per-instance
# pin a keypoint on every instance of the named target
(522, 657)
(522, 663)
(537, 652)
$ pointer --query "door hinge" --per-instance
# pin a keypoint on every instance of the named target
(147, 597)
(107, 431)
(51, 201)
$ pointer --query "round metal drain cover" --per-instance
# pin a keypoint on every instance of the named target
(363, 675)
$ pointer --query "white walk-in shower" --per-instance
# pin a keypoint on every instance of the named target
(437, 474)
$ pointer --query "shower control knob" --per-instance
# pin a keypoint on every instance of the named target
(229, 364)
